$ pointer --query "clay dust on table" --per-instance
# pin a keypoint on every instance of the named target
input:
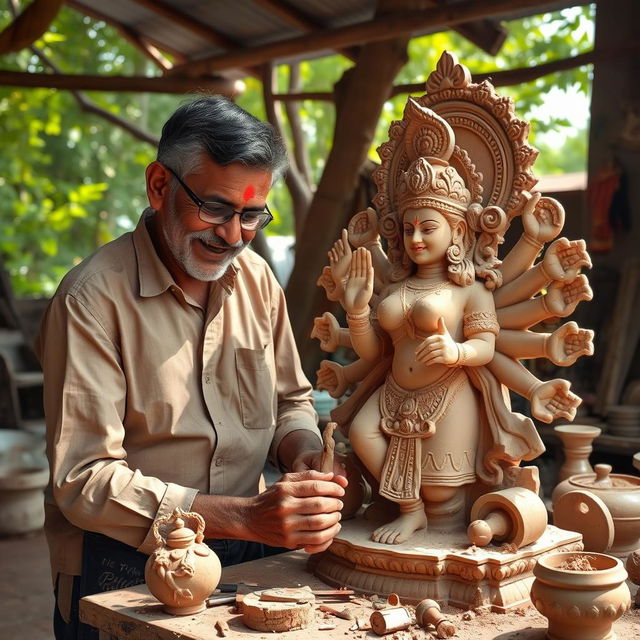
(578, 563)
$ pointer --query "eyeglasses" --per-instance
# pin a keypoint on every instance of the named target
(221, 213)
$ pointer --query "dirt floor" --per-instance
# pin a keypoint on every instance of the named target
(26, 595)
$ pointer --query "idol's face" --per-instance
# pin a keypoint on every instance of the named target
(427, 235)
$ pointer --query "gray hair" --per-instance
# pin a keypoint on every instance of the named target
(225, 132)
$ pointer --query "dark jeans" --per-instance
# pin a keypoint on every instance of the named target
(108, 564)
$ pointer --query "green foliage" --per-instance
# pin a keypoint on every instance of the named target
(70, 181)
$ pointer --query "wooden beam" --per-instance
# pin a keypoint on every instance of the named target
(293, 16)
(501, 78)
(148, 49)
(200, 29)
(489, 35)
(289, 14)
(188, 22)
(401, 23)
(126, 31)
(136, 84)
(510, 77)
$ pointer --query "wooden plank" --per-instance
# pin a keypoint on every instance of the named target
(623, 338)
(133, 613)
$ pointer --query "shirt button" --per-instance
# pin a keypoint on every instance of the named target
(219, 462)
(207, 379)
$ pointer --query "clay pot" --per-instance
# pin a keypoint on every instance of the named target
(621, 495)
(22, 500)
(577, 446)
(182, 571)
(579, 604)
(24, 474)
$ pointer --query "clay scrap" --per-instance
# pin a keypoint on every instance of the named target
(279, 610)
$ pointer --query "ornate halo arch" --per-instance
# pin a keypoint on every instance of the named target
(491, 153)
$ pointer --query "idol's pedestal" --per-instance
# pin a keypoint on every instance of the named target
(439, 565)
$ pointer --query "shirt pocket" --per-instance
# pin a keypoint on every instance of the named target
(255, 388)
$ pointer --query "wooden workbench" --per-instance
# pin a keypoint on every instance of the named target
(134, 613)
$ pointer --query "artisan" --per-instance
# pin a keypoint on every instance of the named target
(171, 375)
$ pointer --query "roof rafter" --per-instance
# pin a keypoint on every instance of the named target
(188, 22)
(389, 26)
(127, 32)
(297, 19)
(182, 19)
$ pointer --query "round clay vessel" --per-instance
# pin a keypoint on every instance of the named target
(576, 442)
(621, 494)
(182, 571)
(580, 604)
(22, 499)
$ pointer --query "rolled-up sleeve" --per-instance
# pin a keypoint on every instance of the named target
(85, 397)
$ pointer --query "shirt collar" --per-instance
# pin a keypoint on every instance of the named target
(153, 276)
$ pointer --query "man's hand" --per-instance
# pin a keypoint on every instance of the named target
(299, 511)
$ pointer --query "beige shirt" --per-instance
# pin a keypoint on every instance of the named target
(150, 399)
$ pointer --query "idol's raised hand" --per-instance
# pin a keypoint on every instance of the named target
(542, 218)
(359, 287)
(363, 228)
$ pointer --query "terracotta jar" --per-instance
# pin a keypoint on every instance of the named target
(580, 604)
(576, 442)
(182, 571)
(621, 495)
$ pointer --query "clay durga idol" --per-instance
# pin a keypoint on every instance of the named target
(439, 323)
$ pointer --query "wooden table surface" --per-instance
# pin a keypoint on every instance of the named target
(134, 613)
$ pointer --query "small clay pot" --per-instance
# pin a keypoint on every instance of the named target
(580, 604)
(182, 571)
(621, 495)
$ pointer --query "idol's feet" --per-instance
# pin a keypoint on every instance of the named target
(400, 529)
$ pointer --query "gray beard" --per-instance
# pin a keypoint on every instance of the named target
(180, 244)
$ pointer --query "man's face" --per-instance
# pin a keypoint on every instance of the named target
(204, 251)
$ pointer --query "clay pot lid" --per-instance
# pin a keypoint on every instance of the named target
(578, 429)
(586, 513)
(181, 536)
(604, 479)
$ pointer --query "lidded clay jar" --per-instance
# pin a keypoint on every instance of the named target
(182, 571)
(581, 594)
(620, 493)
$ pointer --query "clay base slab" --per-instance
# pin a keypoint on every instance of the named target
(438, 565)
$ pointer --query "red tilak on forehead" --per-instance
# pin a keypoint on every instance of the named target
(415, 221)
(249, 192)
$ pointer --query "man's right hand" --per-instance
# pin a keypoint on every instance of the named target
(299, 511)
